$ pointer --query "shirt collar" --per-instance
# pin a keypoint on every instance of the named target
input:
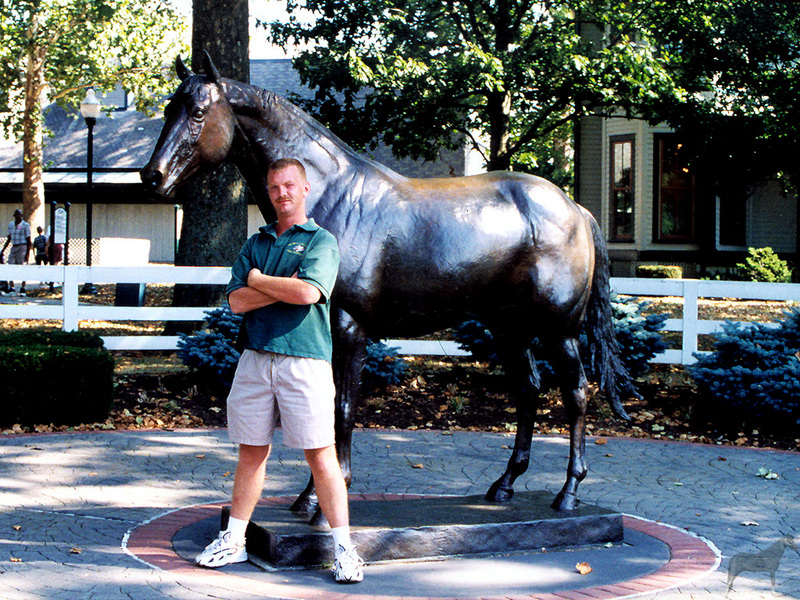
(269, 229)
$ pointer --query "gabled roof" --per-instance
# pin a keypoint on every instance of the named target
(123, 140)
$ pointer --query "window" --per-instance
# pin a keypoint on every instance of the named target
(675, 191)
(622, 195)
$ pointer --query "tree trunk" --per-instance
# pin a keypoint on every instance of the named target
(214, 204)
(32, 153)
(499, 110)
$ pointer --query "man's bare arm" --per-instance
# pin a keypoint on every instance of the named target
(284, 289)
(246, 299)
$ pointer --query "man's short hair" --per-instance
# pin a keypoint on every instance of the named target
(282, 163)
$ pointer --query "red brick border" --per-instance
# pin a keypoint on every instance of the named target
(691, 557)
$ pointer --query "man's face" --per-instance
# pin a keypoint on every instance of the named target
(287, 191)
(17, 216)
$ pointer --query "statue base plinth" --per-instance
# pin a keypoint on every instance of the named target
(429, 527)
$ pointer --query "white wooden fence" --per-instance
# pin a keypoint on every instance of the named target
(70, 311)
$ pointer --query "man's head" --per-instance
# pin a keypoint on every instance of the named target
(18, 215)
(288, 187)
(39, 230)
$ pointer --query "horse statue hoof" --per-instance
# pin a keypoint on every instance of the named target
(499, 492)
(318, 519)
(306, 504)
(565, 502)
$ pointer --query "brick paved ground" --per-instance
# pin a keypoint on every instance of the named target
(68, 501)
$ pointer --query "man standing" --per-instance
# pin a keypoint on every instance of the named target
(282, 281)
(19, 236)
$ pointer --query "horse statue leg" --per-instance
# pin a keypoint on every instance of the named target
(523, 382)
(349, 355)
(574, 391)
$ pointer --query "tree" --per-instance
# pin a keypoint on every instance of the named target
(56, 50)
(421, 75)
(214, 224)
(739, 62)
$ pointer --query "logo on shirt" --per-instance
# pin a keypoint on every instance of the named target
(296, 248)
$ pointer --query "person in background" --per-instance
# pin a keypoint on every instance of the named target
(19, 237)
(40, 247)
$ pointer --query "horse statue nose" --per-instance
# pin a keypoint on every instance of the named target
(151, 178)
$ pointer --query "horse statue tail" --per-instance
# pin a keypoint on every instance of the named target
(604, 352)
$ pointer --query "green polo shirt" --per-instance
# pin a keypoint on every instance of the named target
(312, 253)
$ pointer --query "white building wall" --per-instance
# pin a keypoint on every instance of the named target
(590, 193)
(154, 222)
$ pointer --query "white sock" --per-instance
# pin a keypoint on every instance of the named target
(341, 537)
(237, 529)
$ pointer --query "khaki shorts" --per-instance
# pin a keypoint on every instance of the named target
(299, 390)
(18, 255)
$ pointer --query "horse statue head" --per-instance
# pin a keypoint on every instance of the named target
(199, 130)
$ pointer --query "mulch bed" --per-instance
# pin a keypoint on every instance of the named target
(448, 394)
(439, 393)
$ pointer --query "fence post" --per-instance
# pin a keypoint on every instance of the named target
(689, 340)
(69, 298)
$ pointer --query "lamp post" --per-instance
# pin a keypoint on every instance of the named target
(90, 109)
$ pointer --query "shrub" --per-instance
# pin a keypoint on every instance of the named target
(753, 373)
(384, 366)
(637, 334)
(50, 337)
(63, 378)
(763, 264)
(211, 353)
(659, 271)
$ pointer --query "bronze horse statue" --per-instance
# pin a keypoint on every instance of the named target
(420, 255)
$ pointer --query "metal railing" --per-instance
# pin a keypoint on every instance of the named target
(70, 311)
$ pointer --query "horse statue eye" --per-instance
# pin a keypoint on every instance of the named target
(198, 113)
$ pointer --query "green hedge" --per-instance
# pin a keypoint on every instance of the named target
(63, 378)
(50, 337)
(659, 271)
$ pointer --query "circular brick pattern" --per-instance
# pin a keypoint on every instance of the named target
(691, 557)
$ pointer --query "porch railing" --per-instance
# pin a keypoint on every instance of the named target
(71, 311)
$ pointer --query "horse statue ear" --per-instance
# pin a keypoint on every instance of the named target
(181, 69)
(210, 69)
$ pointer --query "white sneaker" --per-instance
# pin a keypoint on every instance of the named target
(347, 568)
(222, 551)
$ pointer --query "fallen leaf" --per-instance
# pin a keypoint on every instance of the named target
(226, 474)
(15, 559)
(609, 455)
(749, 523)
(601, 441)
(17, 527)
(199, 455)
(583, 568)
(75, 550)
(418, 466)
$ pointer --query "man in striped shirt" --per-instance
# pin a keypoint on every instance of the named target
(19, 236)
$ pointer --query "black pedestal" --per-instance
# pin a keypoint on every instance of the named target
(433, 527)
